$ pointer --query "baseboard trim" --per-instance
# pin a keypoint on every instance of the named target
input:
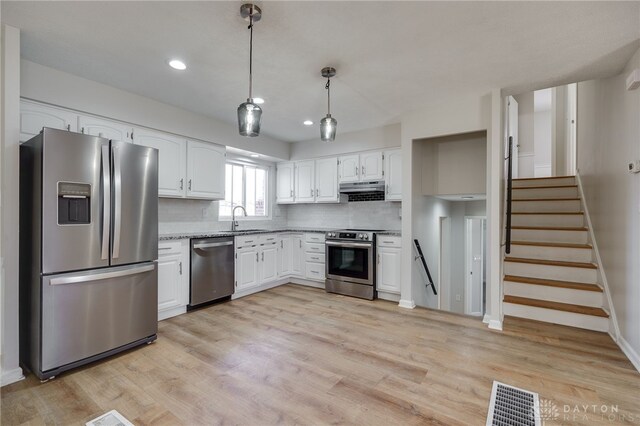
(260, 288)
(11, 376)
(495, 325)
(169, 313)
(486, 318)
(308, 283)
(633, 356)
(407, 304)
(391, 297)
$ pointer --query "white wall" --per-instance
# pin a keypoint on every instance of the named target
(454, 165)
(525, 134)
(362, 140)
(609, 138)
(48, 85)
(542, 132)
(10, 157)
(463, 114)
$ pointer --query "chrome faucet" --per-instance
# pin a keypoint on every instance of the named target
(234, 222)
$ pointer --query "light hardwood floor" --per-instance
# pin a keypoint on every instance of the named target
(297, 355)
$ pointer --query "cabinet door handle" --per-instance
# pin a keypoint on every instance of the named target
(357, 171)
(291, 192)
(68, 127)
(317, 192)
(281, 244)
(300, 243)
(263, 256)
(387, 188)
(363, 172)
(257, 258)
(182, 183)
(378, 258)
(180, 267)
(189, 184)
(312, 192)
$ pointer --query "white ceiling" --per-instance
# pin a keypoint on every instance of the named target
(391, 57)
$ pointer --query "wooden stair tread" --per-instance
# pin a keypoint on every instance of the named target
(545, 199)
(552, 228)
(545, 187)
(566, 307)
(554, 283)
(543, 178)
(551, 244)
(550, 213)
(551, 262)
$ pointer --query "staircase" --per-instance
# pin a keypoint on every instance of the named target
(550, 274)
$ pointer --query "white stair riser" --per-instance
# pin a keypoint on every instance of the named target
(570, 192)
(549, 236)
(554, 294)
(544, 182)
(550, 272)
(564, 254)
(546, 206)
(569, 220)
(571, 319)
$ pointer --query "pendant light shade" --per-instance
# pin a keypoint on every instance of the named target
(328, 124)
(249, 113)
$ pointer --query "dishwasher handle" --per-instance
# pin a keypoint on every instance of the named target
(210, 245)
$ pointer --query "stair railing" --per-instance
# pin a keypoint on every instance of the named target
(424, 264)
(509, 195)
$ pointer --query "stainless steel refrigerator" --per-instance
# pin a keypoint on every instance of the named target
(88, 249)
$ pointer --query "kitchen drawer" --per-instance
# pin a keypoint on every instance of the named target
(267, 238)
(247, 241)
(314, 238)
(389, 241)
(314, 248)
(313, 257)
(169, 247)
(314, 271)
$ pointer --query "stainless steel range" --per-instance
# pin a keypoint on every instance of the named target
(350, 255)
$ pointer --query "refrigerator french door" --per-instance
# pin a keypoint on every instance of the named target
(88, 249)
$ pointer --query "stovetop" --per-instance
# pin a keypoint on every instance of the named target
(352, 234)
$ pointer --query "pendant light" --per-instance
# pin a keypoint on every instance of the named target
(328, 124)
(249, 113)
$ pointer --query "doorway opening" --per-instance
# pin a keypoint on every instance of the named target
(543, 126)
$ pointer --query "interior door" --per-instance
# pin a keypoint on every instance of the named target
(512, 131)
(74, 172)
(474, 292)
(87, 313)
(134, 203)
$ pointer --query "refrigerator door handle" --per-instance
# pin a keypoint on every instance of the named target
(106, 275)
(117, 203)
(106, 201)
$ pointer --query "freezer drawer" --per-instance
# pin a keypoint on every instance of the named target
(88, 313)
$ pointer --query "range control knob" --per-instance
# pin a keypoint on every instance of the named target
(360, 236)
(366, 237)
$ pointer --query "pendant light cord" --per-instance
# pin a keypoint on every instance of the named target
(250, 53)
(328, 87)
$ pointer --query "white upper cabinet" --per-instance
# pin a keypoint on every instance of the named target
(205, 170)
(349, 168)
(105, 128)
(371, 166)
(35, 116)
(393, 174)
(172, 161)
(284, 183)
(305, 182)
(327, 180)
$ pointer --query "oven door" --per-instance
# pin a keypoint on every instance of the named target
(352, 262)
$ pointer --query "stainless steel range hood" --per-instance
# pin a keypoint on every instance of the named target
(354, 187)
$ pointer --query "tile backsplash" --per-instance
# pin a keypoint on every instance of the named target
(363, 214)
(180, 215)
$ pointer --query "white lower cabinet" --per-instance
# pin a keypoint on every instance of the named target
(314, 263)
(388, 273)
(297, 255)
(173, 278)
(247, 267)
(269, 262)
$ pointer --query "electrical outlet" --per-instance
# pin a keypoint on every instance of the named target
(634, 167)
(458, 298)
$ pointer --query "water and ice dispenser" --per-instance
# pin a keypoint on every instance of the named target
(74, 203)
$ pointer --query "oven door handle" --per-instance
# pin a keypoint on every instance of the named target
(343, 244)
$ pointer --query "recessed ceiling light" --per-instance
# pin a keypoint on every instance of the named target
(258, 101)
(308, 123)
(255, 155)
(177, 64)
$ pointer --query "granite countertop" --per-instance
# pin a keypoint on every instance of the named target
(214, 234)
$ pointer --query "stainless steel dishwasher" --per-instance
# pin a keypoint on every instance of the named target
(212, 270)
